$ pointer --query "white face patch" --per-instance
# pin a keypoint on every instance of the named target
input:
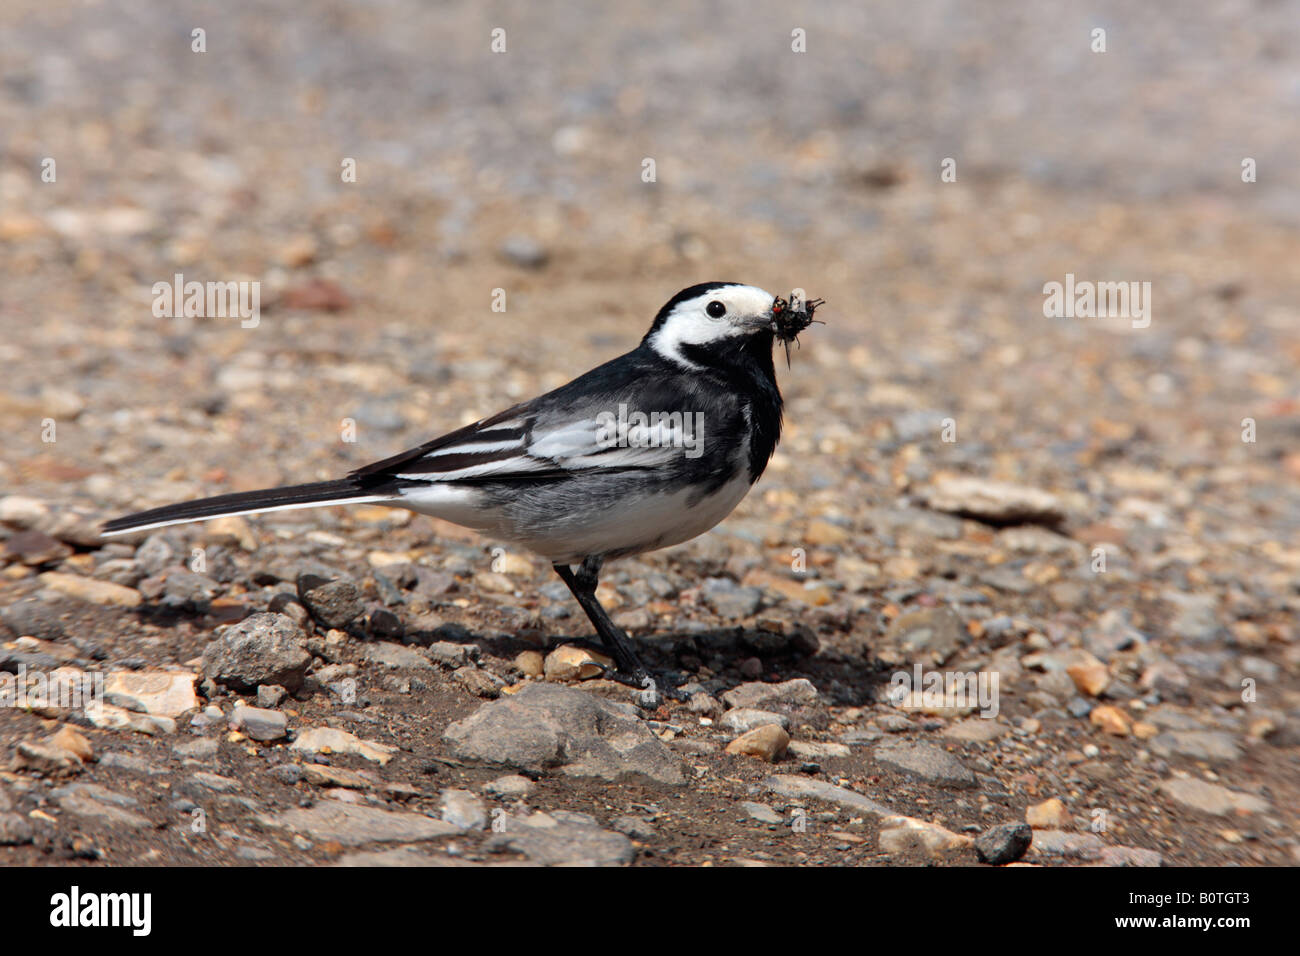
(691, 322)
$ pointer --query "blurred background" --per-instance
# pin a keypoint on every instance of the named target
(522, 171)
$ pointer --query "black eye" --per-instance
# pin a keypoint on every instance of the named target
(716, 309)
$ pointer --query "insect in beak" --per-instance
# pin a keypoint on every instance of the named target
(787, 323)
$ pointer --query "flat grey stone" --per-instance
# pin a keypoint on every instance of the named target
(788, 785)
(549, 726)
(754, 695)
(354, 825)
(562, 839)
(929, 763)
(1213, 746)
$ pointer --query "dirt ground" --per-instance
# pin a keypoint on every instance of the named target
(1153, 691)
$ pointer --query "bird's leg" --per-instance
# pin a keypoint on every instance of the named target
(583, 585)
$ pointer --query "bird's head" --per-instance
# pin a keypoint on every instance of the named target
(711, 323)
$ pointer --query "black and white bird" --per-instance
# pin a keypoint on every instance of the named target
(646, 451)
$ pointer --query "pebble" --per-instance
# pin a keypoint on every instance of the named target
(994, 502)
(329, 740)
(477, 681)
(1211, 797)
(812, 750)
(931, 634)
(1048, 815)
(334, 821)
(568, 663)
(899, 834)
(91, 590)
(545, 726)
(157, 692)
(1003, 844)
(1111, 720)
(463, 809)
(523, 251)
(451, 654)
(510, 787)
(1212, 746)
(261, 649)
(1089, 678)
(768, 742)
(926, 762)
(33, 618)
(259, 723)
(741, 720)
(761, 812)
(976, 730)
(334, 603)
(754, 695)
(1075, 846)
(15, 830)
(530, 663)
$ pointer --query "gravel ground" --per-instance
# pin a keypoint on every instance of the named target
(1104, 518)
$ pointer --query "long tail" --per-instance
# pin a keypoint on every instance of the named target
(349, 490)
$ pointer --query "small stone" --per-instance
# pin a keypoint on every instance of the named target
(463, 809)
(161, 693)
(530, 663)
(205, 748)
(730, 600)
(742, 720)
(321, 775)
(563, 838)
(15, 830)
(901, 834)
(1212, 798)
(546, 725)
(451, 654)
(73, 741)
(523, 251)
(814, 751)
(333, 821)
(333, 603)
(761, 812)
(932, 634)
(1004, 844)
(510, 787)
(477, 681)
(1090, 679)
(1212, 746)
(231, 529)
(111, 717)
(91, 589)
(34, 548)
(33, 618)
(994, 502)
(768, 742)
(568, 662)
(46, 759)
(1144, 730)
(259, 723)
(976, 730)
(1130, 856)
(927, 762)
(799, 691)
(1063, 843)
(270, 696)
(328, 740)
(1048, 815)
(1110, 719)
(389, 654)
(261, 649)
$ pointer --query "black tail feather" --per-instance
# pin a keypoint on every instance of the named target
(243, 502)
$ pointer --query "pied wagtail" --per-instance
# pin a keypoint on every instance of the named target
(646, 451)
